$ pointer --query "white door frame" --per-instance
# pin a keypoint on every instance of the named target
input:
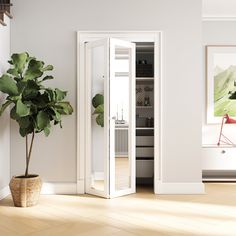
(133, 36)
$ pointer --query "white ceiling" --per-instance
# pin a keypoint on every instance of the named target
(219, 9)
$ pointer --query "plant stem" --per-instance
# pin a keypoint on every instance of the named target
(26, 151)
(28, 154)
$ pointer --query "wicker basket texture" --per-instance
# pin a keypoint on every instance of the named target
(25, 191)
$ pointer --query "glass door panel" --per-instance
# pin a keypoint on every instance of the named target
(110, 118)
(122, 124)
(97, 131)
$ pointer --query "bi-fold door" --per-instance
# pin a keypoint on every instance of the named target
(110, 109)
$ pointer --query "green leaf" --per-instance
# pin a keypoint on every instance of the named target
(8, 85)
(24, 122)
(42, 120)
(47, 68)
(24, 131)
(4, 106)
(60, 95)
(48, 77)
(56, 122)
(51, 94)
(33, 107)
(13, 98)
(56, 115)
(34, 70)
(46, 131)
(19, 61)
(21, 86)
(97, 100)
(99, 109)
(31, 90)
(22, 109)
(13, 72)
(100, 120)
(40, 101)
(10, 62)
(13, 114)
(64, 108)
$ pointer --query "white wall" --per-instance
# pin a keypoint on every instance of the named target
(219, 8)
(4, 119)
(217, 33)
(47, 29)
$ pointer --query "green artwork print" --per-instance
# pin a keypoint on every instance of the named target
(224, 84)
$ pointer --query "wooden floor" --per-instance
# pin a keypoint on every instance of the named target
(143, 214)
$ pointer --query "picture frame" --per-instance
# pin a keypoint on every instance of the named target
(221, 82)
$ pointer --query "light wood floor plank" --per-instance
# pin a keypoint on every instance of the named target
(140, 214)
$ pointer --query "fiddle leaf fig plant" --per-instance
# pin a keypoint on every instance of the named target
(98, 104)
(34, 106)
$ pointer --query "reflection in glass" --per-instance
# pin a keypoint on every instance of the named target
(120, 107)
(97, 132)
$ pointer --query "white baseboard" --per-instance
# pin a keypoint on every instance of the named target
(59, 188)
(48, 188)
(180, 188)
(4, 192)
(78, 188)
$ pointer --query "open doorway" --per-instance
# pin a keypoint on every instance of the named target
(145, 104)
(118, 171)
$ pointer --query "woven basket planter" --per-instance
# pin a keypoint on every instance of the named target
(25, 191)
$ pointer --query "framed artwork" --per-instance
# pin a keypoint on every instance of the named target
(221, 82)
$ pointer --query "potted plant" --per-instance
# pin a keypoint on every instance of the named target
(35, 107)
(98, 104)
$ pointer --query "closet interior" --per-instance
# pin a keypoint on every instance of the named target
(145, 113)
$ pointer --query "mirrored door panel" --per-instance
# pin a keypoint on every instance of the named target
(122, 132)
(97, 170)
(110, 118)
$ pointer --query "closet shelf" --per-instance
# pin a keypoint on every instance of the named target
(145, 158)
(145, 78)
(140, 146)
(145, 128)
(144, 107)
